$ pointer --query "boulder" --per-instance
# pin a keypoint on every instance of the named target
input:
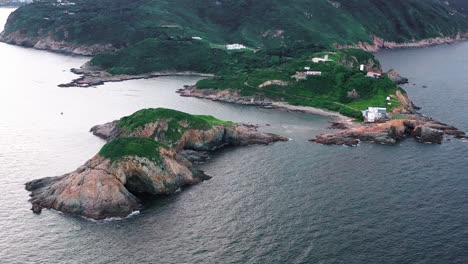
(396, 77)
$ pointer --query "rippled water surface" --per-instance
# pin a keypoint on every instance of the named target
(293, 202)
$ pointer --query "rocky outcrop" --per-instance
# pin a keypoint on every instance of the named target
(50, 44)
(193, 139)
(225, 95)
(149, 153)
(273, 82)
(406, 105)
(396, 77)
(92, 76)
(381, 44)
(423, 129)
(104, 188)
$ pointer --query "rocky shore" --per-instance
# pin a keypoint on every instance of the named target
(149, 153)
(410, 123)
(50, 44)
(423, 129)
(93, 76)
(380, 44)
(233, 96)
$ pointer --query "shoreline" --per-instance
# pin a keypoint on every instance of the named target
(381, 44)
(93, 77)
(388, 132)
(69, 48)
(232, 96)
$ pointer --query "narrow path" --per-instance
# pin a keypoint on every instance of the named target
(347, 106)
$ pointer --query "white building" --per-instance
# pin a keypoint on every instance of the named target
(374, 114)
(313, 73)
(317, 60)
(197, 38)
(235, 46)
(375, 75)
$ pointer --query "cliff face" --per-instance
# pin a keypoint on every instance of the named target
(145, 157)
(102, 188)
(192, 139)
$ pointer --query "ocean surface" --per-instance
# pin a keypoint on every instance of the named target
(292, 202)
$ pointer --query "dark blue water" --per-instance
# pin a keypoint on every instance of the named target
(293, 202)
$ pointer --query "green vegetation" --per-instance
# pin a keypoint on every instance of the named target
(263, 24)
(177, 122)
(330, 91)
(140, 147)
(162, 55)
(281, 36)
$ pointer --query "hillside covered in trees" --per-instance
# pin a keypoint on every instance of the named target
(258, 24)
(279, 39)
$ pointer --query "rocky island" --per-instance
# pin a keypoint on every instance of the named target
(273, 56)
(147, 154)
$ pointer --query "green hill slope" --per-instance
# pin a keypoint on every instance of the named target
(259, 24)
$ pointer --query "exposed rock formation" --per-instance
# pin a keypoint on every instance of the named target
(228, 95)
(93, 76)
(50, 44)
(381, 44)
(421, 128)
(396, 77)
(273, 82)
(104, 188)
(146, 156)
(210, 139)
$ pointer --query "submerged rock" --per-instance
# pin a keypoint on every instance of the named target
(145, 156)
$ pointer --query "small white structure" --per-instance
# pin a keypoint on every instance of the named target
(197, 38)
(313, 73)
(235, 46)
(307, 68)
(374, 114)
(318, 60)
(374, 75)
(362, 67)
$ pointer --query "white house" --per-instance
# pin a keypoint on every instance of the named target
(235, 46)
(197, 38)
(374, 114)
(317, 60)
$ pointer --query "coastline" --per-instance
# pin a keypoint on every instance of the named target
(381, 44)
(409, 123)
(96, 77)
(232, 96)
(69, 48)
(415, 124)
